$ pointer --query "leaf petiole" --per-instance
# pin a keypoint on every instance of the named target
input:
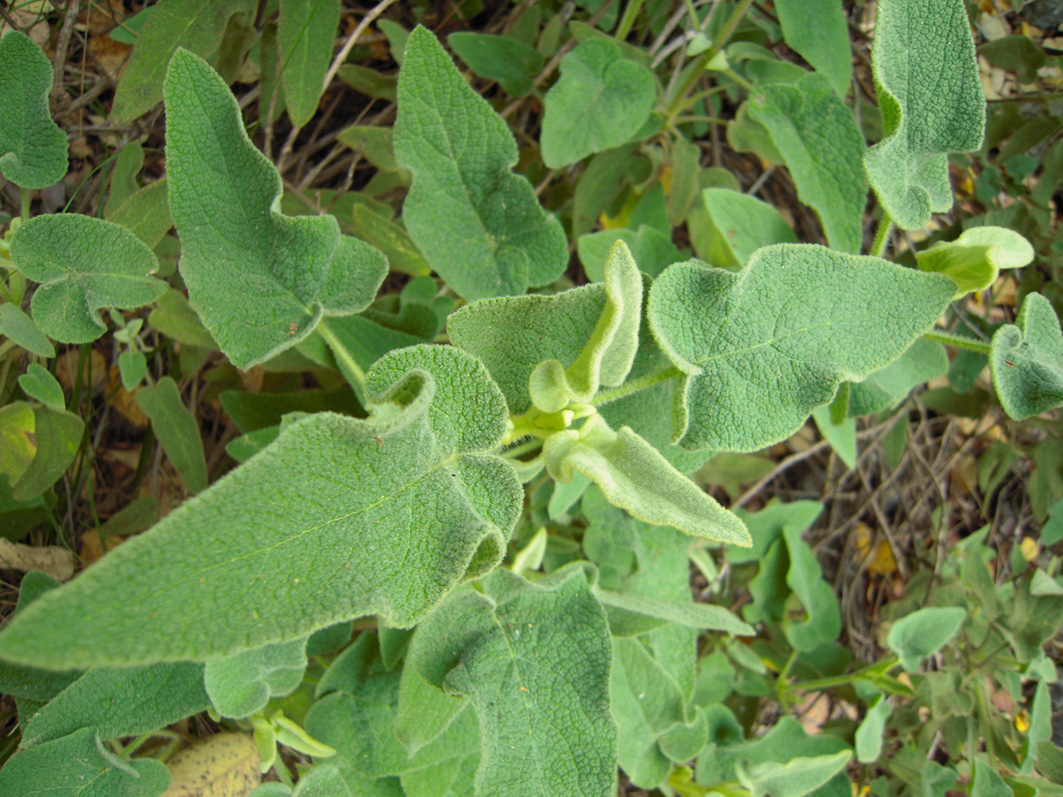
(958, 342)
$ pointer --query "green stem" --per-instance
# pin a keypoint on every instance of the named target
(882, 235)
(25, 204)
(737, 78)
(343, 356)
(703, 60)
(835, 680)
(958, 342)
(635, 385)
(523, 448)
(628, 20)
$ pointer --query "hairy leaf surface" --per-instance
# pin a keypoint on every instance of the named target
(83, 264)
(33, 148)
(336, 519)
(512, 63)
(1027, 360)
(477, 223)
(534, 659)
(818, 31)
(973, 261)
(304, 39)
(932, 104)
(760, 349)
(600, 101)
(260, 280)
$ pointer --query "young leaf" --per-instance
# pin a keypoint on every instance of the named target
(727, 227)
(196, 26)
(240, 685)
(304, 39)
(479, 225)
(404, 507)
(932, 104)
(84, 264)
(260, 280)
(132, 367)
(923, 633)
(33, 148)
(534, 659)
(973, 261)
(177, 431)
(120, 702)
(759, 350)
(513, 64)
(821, 144)
(1027, 360)
(19, 327)
(634, 476)
(38, 383)
(600, 101)
(869, 734)
(824, 44)
(794, 778)
(78, 765)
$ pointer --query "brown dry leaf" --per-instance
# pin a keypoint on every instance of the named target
(80, 148)
(52, 560)
(225, 765)
(30, 23)
(92, 546)
(122, 400)
(813, 712)
(109, 55)
(66, 367)
(964, 474)
(880, 560)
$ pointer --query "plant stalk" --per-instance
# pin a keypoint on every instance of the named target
(635, 385)
(346, 360)
(958, 342)
(631, 11)
(882, 235)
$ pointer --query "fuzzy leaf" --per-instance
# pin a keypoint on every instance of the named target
(338, 518)
(120, 702)
(821, 144)
(534, 659)
(19, 327)
(932, 104)
(78, 765)
(823, 620)
(260, 280)
(242, 684)
(973, 261)
(600, 101)
(1027, 360)
(191, 24)
(305, 33)
(651, 249)
(760, 349)
(634, 476)
(703, 616)
(824, 44)
(884, 389)
(177, 430)
(513, 64)
(923, 633)
(477, 223)
(727, 227)
(794, 778)
(38, 383)
(84, 264)
(33, 148)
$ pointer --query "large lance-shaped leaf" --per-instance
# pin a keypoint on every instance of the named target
(84, 264)
(636, 477)
(338, 518)
(260, 280)
(600, 102)
(818, 138)
(932, 104)
(760, 349)
(304, 38)
(33, 149)
(1026, 360)
(534, 659)
(478, 225)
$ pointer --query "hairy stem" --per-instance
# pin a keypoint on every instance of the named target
(956, 341)
(636, 385)
(343, 356)
(882, 235)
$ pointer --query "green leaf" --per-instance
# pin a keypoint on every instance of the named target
(38, 383)
(600, 102)
(886, 388)
(795, 778)
(636, 477)
(703, 616)
(759, 350)
(338, 518)
(869, 734)
(390, 238)
(608, 355)
(512, 64)
(260, 280)
(1027, 360)
(78, 765)
(805, 578)
(825, 44)
(240, 685)
(19, 327)
(923, 633)
(122, 702)
(33, 148)
(133, 367)
(821, 144)
(1015, 54)
(932, 104)
(534, 659)
(973, 261)
(190, 24)
(727, 227)
(375, 143)
(84, 264)
(842, 436)
(479, 225)
(37, 445)
(987, 781)
(175, 318)
(603, 180)
(146, 213)
(305, 33)
(423, 712)
(177, 431)
(651, 249)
